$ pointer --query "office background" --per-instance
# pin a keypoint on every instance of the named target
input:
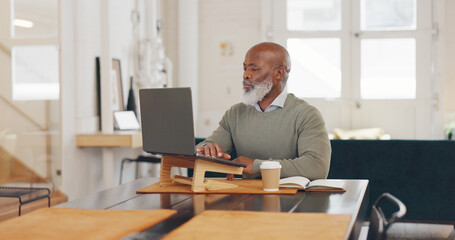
(206, 41)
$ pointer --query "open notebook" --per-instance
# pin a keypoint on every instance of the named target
(325, 185)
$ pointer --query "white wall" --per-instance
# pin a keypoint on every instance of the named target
(169, 32)
(235, 22)
(449, 38)
(188, 30)
(82, 167)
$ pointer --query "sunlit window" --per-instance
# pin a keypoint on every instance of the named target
(313, 15)
(35, 72)
(386, 74)
(34, 50)
(316, 67)
(388, 15)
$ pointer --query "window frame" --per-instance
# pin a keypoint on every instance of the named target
(350, 36)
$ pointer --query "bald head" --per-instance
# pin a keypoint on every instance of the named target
(277, 55)
(265, 72)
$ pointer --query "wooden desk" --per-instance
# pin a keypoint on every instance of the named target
(132, 139)
(354, 202)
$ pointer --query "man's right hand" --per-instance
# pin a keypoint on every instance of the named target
(213, 150)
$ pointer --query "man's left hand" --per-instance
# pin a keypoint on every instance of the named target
(248, 161)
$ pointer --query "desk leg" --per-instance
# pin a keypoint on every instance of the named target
(108, 167)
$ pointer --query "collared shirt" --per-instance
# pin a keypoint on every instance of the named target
(278, 102)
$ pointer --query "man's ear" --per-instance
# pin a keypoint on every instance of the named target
(279, 73)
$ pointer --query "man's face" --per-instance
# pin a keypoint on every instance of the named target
(256, 69)
(257, 77)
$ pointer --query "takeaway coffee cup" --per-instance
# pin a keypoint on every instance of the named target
(270, 172)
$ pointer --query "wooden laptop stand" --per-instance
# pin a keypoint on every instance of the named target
(200, 166)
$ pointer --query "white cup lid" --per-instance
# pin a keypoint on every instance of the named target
(270, 165)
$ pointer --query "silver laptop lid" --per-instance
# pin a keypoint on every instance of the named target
(167, 120)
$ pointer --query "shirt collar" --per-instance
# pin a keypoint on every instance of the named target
(278, 102)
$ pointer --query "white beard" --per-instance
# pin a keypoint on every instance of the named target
(258, 92)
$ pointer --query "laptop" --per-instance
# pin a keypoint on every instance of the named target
(167, 124)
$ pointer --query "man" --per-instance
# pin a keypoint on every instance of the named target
(271, 124)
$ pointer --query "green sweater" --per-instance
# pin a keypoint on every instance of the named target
(294, 135)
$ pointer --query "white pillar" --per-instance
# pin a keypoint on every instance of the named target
(107, 121)
(188, 49)
(68, 153)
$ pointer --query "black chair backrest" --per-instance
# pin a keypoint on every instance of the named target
(376, 228)
(379, 222)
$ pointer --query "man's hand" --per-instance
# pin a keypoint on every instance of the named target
(213, 150)
(248, 169)
(248, 161)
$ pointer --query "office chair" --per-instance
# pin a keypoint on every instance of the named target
(382, 227)
(141, 158)
(379, 223)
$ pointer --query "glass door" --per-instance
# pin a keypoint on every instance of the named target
(29, 93)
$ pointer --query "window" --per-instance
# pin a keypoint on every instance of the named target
(316, 34)
(361, 61)
(35, 72)
(316, 67)
(34, 55)
(386, 74)
(388, 15)
(313, 15)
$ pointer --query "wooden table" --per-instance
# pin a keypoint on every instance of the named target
(354, 202)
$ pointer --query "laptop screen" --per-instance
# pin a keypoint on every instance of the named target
(167, 120)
